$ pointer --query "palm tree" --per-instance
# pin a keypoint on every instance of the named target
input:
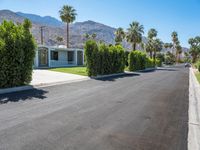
(174, 37)
(157, 47)
(119, 36)
(68, 15)
(152, 33)
(194, 48)
(59, 39)
(94, 35)
(134, 34)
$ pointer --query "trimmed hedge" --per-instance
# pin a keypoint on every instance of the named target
(137, 60)
(17, 51)
(102, 59)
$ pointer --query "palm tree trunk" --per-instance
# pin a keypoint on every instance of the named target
(150, 53)
(67, 35)
(154, 58)
(134, 46)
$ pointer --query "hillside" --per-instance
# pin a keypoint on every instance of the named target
(54, 28)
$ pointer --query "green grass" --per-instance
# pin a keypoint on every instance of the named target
(72, 70)
(198, 76)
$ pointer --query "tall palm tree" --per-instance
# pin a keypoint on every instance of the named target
(134, 34)
(174, 37)
(152, 33)
(119, 36)
(67, 15)
(157, 47)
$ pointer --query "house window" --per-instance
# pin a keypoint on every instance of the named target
(54, 55)
(70, 56)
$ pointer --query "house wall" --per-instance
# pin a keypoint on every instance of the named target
(62, 57)
(62, 60)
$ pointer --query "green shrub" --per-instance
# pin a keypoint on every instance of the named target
(197, 65)
(102, 59)
(17, 51)
(137, 61)
(149, 63)
(158, 63)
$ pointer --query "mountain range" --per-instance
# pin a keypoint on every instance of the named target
(54, 28)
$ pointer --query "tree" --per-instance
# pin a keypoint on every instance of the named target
(177, 49)
(169, 58)
(59, 39)
(68, 15)
(119, 36)
(194, 48)
(94, 35)
(152, 33)
(134, 35)
(157, 47)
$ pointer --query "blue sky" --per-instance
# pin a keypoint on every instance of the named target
(166, 16)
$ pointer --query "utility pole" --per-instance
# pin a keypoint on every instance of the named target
(41, 31)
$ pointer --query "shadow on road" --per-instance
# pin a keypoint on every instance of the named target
(23, 96)
(166, 69)
(114, 78)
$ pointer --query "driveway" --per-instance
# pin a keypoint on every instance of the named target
(46, 77)
(144, 111)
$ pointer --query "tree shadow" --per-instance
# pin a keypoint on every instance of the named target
(114, 78)
(23, 96)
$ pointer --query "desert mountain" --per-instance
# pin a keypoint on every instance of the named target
(54, 28)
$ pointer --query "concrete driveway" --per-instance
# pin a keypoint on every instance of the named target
(46, 77)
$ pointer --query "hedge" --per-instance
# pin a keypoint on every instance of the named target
(102, 59)
(137, 60)
(17, 51)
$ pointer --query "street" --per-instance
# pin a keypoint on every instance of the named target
(141, 111)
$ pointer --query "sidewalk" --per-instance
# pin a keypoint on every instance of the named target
(194, 113)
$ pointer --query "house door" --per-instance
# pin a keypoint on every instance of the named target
(79, 58)
(43, 57)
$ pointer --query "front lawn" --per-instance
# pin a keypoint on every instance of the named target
(198, 76)
(72, 70)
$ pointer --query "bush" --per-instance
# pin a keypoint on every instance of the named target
(149, 63)
(137, 61)
(158, 63)
(197, 65)
(102, 59)
(17, 51)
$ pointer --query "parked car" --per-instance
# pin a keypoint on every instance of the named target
(187, 65)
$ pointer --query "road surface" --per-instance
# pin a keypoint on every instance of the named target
(143, 111)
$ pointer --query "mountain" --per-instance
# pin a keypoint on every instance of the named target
(54, 28)
(47, 20)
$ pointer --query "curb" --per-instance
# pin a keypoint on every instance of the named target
(194, 113)
(16, 89)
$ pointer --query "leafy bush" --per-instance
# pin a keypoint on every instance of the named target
(17, 51)
(102, 59)
(149, 63)
(126, 57)
(158, 62)
(197, 65)
(137, 60)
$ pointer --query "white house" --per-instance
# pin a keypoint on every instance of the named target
(58, 56)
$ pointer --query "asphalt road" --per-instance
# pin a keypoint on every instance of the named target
(144, 111)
